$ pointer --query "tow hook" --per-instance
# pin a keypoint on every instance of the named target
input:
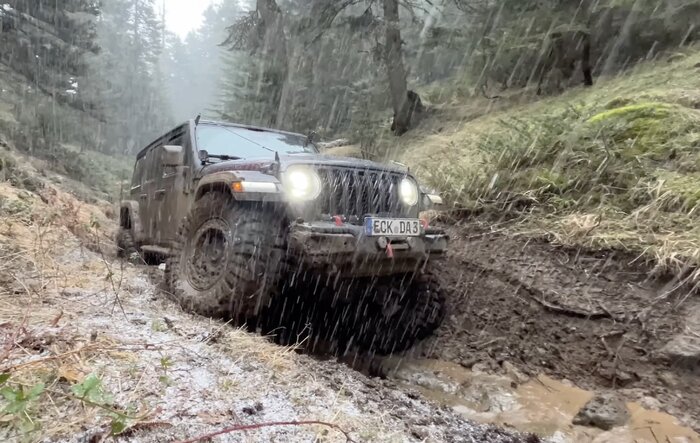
(385, 244)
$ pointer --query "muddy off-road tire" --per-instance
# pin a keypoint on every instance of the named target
(227, 259)
(376, 316)
(398, 313)
(128, 250)
(126, 246)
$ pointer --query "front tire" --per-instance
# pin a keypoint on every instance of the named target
(227, 258)
(400, 312)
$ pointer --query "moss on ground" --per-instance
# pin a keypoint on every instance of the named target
(616, 165)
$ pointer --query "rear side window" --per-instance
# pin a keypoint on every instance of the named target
(137, 178)
(152, 164)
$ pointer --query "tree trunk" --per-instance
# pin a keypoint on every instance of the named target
(276, 53)
(403, 101)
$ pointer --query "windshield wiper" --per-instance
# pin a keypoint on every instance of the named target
(223, 157)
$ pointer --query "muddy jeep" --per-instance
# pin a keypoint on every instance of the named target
(245, 216)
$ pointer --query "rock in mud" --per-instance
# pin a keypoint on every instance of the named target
(650, 403)
(604, 411)
(669, 379)
(683, 351)
(514, 373)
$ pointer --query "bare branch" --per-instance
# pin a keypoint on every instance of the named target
(239, 428)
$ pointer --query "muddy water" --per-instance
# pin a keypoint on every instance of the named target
(542, 406)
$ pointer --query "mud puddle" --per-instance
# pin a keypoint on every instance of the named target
(542, 405)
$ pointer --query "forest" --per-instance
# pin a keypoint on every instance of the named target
(119, 78)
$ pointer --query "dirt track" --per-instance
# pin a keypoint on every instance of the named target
(594, 319)
(511, 300)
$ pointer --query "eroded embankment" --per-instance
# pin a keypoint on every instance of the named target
(597, 320)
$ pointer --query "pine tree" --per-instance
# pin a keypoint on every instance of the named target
(126, 78)
(47, 42)
(195, 66)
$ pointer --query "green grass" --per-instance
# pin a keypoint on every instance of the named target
(88, 174)
(94, 170)
(615, 165)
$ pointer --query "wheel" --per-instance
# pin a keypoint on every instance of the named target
(398, 313)
(227, 258)
(288, 319)
(126, 246)
(127, 249)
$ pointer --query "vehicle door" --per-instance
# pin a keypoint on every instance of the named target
(147, 197)
(136, 191)
(171, 193)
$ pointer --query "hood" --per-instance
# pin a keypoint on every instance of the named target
(261, 164)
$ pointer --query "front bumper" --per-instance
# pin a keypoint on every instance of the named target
(346, 250)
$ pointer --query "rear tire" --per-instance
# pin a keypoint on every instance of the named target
(126, 246)
(227, 258)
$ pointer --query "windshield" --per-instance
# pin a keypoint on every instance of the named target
(238, 142)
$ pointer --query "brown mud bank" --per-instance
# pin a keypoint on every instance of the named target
(539, 405)
(597, 320)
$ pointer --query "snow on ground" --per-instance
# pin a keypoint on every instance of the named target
(114, 355)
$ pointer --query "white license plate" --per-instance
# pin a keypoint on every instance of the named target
(392, 227)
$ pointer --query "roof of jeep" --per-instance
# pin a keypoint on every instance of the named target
(216, 123)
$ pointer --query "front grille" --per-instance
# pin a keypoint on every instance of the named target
(358, 192)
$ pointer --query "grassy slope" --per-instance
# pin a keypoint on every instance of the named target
(616, 165)
(87, 172)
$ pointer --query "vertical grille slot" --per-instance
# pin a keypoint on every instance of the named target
(353, 192)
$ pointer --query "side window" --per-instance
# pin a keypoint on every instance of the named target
(152, 164)
(137, 178)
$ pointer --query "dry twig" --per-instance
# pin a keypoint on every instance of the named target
(238, 428)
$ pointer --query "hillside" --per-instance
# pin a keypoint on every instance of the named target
(575, 230)
(615, 166)
(81, 167)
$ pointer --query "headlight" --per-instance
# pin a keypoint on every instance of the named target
(302, 183)
(408, 191)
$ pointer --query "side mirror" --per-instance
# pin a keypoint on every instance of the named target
(172, 155)
(311, 138)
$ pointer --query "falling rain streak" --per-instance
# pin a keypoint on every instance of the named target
(456, 195)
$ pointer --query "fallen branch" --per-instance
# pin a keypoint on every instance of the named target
(238, 428)
(572, 312)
